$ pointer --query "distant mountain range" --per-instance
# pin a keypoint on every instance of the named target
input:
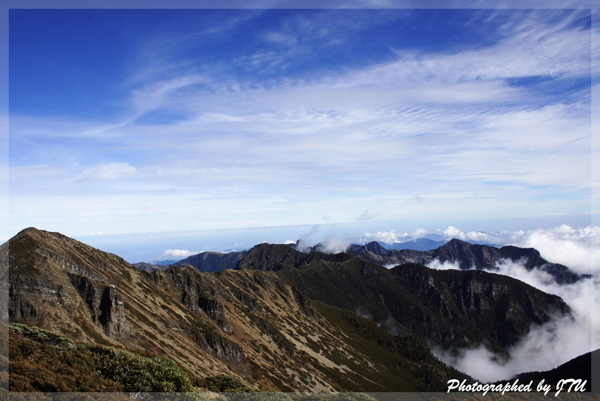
(272, 317)
(463, 254)
(419, 244)
(468, 256)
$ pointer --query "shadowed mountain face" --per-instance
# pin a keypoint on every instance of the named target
(213, 261)
(579, 368)
(250, 323)
(467, 256)
(449, 309)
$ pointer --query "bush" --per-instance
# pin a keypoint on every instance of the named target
(222, 383)
(40, 367)
(138, 373)
(42, 361)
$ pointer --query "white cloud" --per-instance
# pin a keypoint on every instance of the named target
(446, 265)
(333, 245)
(545, 347)
(476, 236)
(106, 171)
(577, 248)
(516, 269)
(179, 253)
(419, 233)
(328, 142)
(392, 236)
(387, 237)
(552, 344)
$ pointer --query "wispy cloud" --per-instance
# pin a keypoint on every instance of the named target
(466, 128)
(106, 172)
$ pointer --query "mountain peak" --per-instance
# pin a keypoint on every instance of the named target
(457, 243)
(250, 323)
(267, 256)
(37, 234)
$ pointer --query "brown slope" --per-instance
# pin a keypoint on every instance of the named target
(449, 309)
(70, 288)
(248, 323)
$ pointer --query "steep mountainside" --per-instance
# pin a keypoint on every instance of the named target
(213, 261)
(149, 267)
(467, 256)
(274, 256)
(450, 309)
(577, 368)
(247, 323)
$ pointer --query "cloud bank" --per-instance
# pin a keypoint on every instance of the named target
(577, 248)
(179, 253)
(555, 343)
(545, 347)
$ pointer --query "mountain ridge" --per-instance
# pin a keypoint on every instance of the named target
(282, 320)
(468, 256)
(246, 323)
(461, 253)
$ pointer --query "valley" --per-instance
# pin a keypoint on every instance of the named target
(272, 317)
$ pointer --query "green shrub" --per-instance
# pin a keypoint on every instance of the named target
(139, 373)
(222, 383)
(36, 366)
(42, 361)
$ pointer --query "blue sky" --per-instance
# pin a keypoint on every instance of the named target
(158, 121)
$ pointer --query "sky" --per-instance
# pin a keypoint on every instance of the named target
(156, 133)
(146, 121)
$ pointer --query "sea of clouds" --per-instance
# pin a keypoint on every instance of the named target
(554, 343)
(546, 346)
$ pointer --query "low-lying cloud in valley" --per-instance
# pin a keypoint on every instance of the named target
(549, 345)
(557, 342)
(546, 346)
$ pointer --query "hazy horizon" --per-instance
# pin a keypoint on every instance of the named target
(570, 245)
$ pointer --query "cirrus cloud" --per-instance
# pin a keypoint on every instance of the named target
(106, 172)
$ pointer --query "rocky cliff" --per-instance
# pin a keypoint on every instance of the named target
(467, 256)
(251, 324)
(449, 309)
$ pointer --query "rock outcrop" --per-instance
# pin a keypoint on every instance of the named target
(468, 257)
(247, 323)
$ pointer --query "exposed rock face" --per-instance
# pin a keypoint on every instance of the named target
(450, 309)
(247, 323)
(475, 305)
(105, 305)
(51, 269)
(213, 261)
(467, 256)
